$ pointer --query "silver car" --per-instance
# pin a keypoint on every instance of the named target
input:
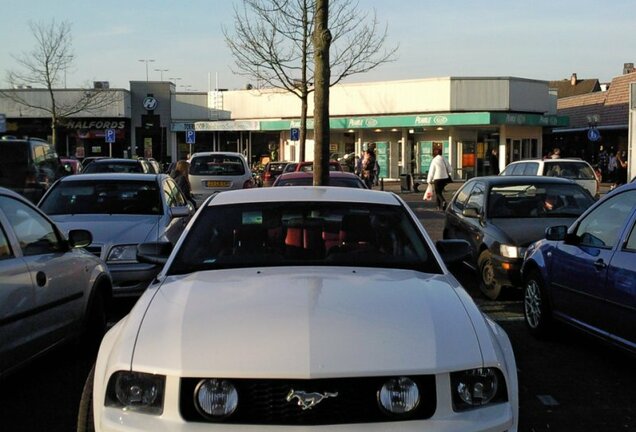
(51, 290)
(212, 172)
(121, 211)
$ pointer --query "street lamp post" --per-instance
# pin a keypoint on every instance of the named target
(162, 71)
(147, 61)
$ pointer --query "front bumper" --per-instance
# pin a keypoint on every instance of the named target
(507, 271)
(131, 279)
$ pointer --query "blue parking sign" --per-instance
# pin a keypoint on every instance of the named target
(190, 137)
(110, 136)
(294, 134)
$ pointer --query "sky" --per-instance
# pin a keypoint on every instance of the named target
(535, 39)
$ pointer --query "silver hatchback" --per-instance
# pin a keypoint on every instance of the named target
(212, 172)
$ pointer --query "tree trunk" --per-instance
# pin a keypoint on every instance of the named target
(303, 127)
(322, 43)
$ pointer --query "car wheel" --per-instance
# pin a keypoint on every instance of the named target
(536, 308)
(487, 282)
(85, 419)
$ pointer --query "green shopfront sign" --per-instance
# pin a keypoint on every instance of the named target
(432, 120)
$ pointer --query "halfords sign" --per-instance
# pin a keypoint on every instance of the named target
(96, 124)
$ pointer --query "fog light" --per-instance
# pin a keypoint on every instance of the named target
(216, 398)
(399, 395)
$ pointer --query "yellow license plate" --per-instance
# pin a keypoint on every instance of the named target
(216, 183)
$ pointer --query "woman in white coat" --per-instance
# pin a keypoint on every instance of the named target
(439, 174)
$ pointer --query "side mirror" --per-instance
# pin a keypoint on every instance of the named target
(454, 251)
(556, 233)
(471, 212)
(177, 212)
(154, 253)
(79, 238)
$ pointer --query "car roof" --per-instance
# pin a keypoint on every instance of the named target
(305, 193)
(113, 176)
(216, 153)
(117, 160)
(549, 160)
(509, 180)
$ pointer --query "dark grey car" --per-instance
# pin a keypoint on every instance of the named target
(501, 216)
(121, 210)
(51, 290)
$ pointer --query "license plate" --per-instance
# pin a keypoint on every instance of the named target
(217, 183)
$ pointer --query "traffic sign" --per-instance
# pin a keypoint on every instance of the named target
(295, 134)
(593, 134)
(110, 136)
(191, 136)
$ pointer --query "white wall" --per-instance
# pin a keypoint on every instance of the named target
(120, 106)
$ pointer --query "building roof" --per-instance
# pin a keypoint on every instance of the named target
(612, 106)
(574, 87)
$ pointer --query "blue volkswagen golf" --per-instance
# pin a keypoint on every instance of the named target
(585, 275)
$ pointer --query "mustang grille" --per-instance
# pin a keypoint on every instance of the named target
(264, 401)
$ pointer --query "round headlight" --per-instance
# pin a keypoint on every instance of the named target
(399, 395)
(477, 386)
(216, 398)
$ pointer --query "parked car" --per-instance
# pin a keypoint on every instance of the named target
(336, 178)
(271, 171)
(212, 172)
(304, 307)
(87, 160)
(577, 170)
(28, 166)
(121, 210)
(308, 166)
(119, 165)
(585, 275)
(71, 166)
(290, 167)
(51, 290)
(501, 216)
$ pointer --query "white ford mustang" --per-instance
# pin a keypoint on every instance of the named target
(304, 308)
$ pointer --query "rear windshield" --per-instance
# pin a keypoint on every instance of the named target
(570, 170)
(217, 165)
(537, 200)
(103, 197)
(301, 234)
(277, 167)
(113, 167)
(309, 181)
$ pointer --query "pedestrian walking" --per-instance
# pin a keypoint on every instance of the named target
(368, 168)
(493, 159)
(180, 176)
(439, 175)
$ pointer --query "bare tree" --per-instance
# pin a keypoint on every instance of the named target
(272, 44)
(45, 67)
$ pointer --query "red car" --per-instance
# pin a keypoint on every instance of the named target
(336, 178)
(72, 166)
(308, 166)
(271, 171)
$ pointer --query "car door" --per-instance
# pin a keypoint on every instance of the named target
(174, 199)
(16, 301)
(621, 288)
(470, 228)
(58, 277)
(580, 267)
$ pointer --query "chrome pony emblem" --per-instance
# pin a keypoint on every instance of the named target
(308, 400)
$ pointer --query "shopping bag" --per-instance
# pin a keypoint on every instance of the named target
(428, 195)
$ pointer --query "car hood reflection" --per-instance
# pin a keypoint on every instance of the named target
(305, 322)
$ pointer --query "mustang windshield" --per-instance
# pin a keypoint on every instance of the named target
(537, 200)
(304, 233)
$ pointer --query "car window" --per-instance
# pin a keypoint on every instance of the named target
(518, 169)
(602, 226)
(569, 169)
(476, 199)
(35, 234)
(113, 167)
(530, 200)
(463, 194)
(531, 168)
(173, 195)
(631, 240)
(5, 249)
(303, 233)
(103, 197)
(309, 181)
(217, 165)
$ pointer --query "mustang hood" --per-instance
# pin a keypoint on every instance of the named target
(110, 228)
(305, 323)
(524, 231)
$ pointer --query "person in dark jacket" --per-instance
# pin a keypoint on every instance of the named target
(493, 158)
(180, 176)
